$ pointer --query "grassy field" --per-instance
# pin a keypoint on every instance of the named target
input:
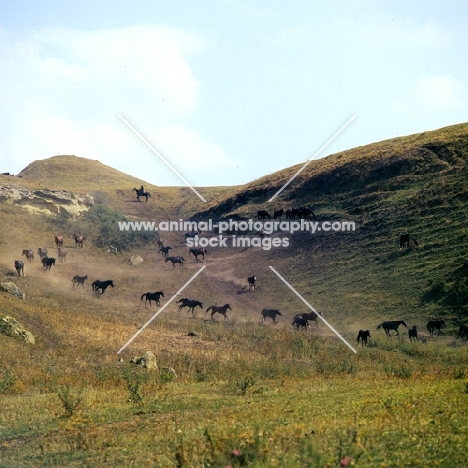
(246, 393)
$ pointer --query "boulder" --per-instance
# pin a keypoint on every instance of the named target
(11, 327)
(148, 361)
(11, 288)
(169, 372)
(135, 260)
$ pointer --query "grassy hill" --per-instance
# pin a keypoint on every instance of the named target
(246, 393)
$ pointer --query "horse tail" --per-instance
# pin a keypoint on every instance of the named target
(143, 296)
(380, 326)
(207, 310)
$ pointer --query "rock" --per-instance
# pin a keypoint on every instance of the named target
(135, 260)
(11, 327)
(148, 361)
(11, 288)
(193, 333)
(169, 371)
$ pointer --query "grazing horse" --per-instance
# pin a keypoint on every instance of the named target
(29, 253)
(62, 254)
(80, 280)
(58, 240)
(196, 251)
(101, 285)
(311, 316)
(191, 304)
(362, 337)
(42, 252)
(251, 280)
(392, 325)
(19, 266)
(434, 324)
(47, 263)
(78, 240)
(220, 310)
(141, 193)
(272, 313)
(300, 322)
(405, 239)
(463, 332)
(179, 259)
(164, 250)
(278, 213)
(156, 296)
(262, 214)
(413, 333)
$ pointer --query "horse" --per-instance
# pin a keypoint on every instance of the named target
(42, 252)
(80, 280)
(220, 310)
(262, 214)
(58, 240)
(164, 250)
(141, 193)
(192, 234)
(251, 280)
(191, 304)
(19, 266)
(62, 254)
(160, 242)
(272, 313)
(463, 331)
(413, 333)
(196, 251)
(112, 249)
(278, 213)
(78, 240)
(101, 285)
(179, 259)
(47, 263)
(310, 316)
(392, 325)
(405, 239)
(300, 322)
(29, 254)
(435, 324)
(156, 296)
(362, 337)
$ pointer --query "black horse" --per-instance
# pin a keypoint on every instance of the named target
(272, 313)
(310, 316)
(435, 324)
(101, 285)
(156, 296)
(179, 259)
(80, 280)
(190, 303)
(220, 310)
(47, 263)
(278, 213)
(141, 193)
(196, 251)
(392, 325)
(463, 331)
(413, 333)
(362, 337)
(300, 322)
(405, 239)
(19, 266)
(262, 214)
(164, 250)
(192, 234)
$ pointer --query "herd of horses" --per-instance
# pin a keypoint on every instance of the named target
(294, 213)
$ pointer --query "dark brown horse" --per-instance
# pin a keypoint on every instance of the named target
(79, 239)
(190, 303)
(156, 296)
(58, 240)
(196, 251)
(80, 280)
(392, 325)
(19, 267)
(141, 193)
(435, 324)
(272, 313)
(311, 316)
(220, 310)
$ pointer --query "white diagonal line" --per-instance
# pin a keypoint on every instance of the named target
(312, 158)
(311, 308)
(161, 309)
(161, 157)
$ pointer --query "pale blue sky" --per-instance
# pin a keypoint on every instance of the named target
(227, 91)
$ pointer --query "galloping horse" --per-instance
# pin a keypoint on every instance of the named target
(190, 303)
(310, 316)
(272, 313)
(156, 296)
(392, 325)
(413, 333)
(434, 324)
(101, 285)
(62, 254)
(58, 240)
(42, 252)
(29, 253)
(19, 266)
(78, 240)
(141, 193)
(196, 251)
(179, 259)
(220, 310)
(80, 280)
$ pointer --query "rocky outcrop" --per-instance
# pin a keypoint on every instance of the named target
(135, 260)
(51, 202)
(11, 288)
(11, 327)
(148, 361)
